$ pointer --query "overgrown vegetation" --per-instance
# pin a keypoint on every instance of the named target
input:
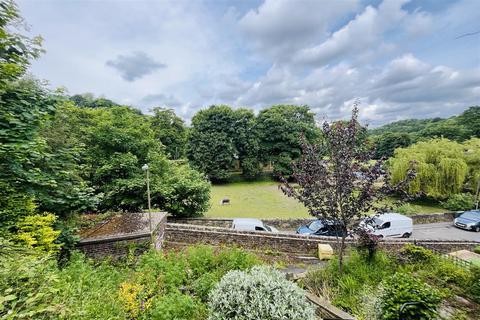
(376, 288)
(159, 286)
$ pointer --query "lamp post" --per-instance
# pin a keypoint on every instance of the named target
(145, 168)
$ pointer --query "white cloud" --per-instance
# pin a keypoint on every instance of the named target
(399, 60)
(279, 27)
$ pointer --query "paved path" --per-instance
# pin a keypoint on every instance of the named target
(442, 231)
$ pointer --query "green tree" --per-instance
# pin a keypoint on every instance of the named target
(450, 129)
(211, 146)
(247, 143)
(115, 142)
(440, 166)
(31, 172)
(470, 119)
(388, 142)
(280, 128)
(170, 130)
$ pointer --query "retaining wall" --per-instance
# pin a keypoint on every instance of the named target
(295, 244)
(119, 244)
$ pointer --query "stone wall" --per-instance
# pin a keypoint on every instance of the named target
(294, 244)
(118, 243)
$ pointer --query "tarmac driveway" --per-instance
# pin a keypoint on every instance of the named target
(442, 231)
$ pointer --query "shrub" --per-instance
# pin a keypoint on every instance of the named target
(260, 293)
(402, 288)
(176, 306)
(37, 232)
(474, 284)
(459, 202)
(367, 243)
(414, 254)
(477, 249)
(406, 209)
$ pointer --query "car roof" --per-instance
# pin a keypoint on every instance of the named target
(249, 221)
(393, 216)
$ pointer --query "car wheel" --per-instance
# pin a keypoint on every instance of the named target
(406, 235)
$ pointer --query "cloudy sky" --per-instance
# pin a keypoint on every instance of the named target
(399, 58)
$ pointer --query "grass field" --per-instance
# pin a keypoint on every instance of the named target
(263, 199)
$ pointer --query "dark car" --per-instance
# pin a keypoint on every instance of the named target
(469, 220)
(322, 228)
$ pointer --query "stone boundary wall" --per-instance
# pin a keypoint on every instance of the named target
(294, 224)
(293, 244)
(119, 245)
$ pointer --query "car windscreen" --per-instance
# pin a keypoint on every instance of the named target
(315, 225)
(472, 215)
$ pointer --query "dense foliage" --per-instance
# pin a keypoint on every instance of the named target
(280, 128)
(170, 130)
(158, 286)
(402, 288)
(115, 142)
(375, 289)
(335, 179)
(443, 167)
(260, 293)
(405, 132)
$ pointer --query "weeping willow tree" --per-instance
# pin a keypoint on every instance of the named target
(440, 164)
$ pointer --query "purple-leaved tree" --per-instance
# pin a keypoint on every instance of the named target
(337, 178)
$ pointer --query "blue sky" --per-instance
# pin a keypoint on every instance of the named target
(399, 58)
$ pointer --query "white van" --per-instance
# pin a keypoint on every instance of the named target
(247, 224)
(390, 225)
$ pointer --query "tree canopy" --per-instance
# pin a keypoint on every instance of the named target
(442, 166)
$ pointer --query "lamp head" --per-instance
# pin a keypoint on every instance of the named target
(145, 167)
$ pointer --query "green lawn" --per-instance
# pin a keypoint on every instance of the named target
(258, 199)
(263, 199)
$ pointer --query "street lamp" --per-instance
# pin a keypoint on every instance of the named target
(145, 168)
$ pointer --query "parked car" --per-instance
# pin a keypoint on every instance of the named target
(389, 225)
(469, 220)
(247, 224)
(322, 228)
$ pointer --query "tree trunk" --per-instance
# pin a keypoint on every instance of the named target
(340, 254)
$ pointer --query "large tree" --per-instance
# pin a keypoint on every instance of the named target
(441, 167)
(470, 119)
(114, 143)
(388, 142)
(335, 178)
(219, 137)
(31, 172)
(280, 128)
(170, 130)
(211, 147)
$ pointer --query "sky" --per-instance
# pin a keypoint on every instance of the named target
(399, 59)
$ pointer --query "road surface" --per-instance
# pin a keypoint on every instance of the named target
(442, 231)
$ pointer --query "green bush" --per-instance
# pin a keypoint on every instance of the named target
(176, 306)
(459, 202)
(474, 284)
(260, 293)
(414, 254)
(36, 231)
(402, 288)
(406, 209)
(347, 290)
(477, 249)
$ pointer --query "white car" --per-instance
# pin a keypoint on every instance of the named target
(389, 225)
(248, 224)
